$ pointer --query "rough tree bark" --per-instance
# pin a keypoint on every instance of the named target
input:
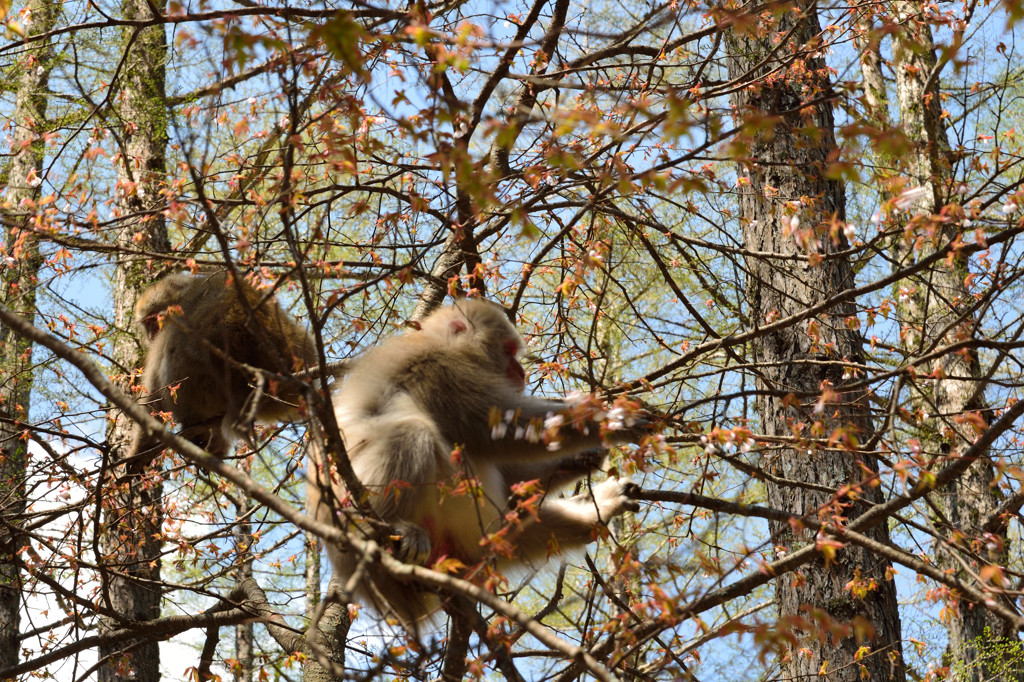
(244, 641)
(314, 557)
(329, 638)
(790, 207)
(132, 508)
(935, 311)
(19, 280)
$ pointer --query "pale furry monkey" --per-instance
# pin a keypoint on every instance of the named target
(456, 382)
(191, 325)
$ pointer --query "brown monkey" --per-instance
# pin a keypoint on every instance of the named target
(443, 404)
(197, 329)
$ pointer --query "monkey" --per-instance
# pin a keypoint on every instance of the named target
(197, 329)
(445, 403)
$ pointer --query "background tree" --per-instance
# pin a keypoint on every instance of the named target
(937, 314)
(805, 373)
(132, 505)
(22, 176)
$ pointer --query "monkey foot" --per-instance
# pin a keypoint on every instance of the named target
(616, 496)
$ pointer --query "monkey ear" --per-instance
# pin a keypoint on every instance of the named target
(458, 326)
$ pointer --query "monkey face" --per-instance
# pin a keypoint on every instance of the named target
(514, 370)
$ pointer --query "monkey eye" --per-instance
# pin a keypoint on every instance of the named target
(151, 324)
(511, 348)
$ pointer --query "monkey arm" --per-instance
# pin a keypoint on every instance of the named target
(399, 457)
(551, 432)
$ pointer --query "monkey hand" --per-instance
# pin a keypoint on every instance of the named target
(582, 464)
(616, 496)
(631, 434)
(626, 421)
(208, 435)
(410, 542)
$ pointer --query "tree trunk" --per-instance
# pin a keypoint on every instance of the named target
(876, 100)
(934, 312)
(243, 544)
(328, 639)
(133, 512)
(19, 281)
(790, 207)
(314, 554)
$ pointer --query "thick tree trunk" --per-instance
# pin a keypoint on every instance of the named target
(133, 512)
(933, 313)
(789, 207)
(243, 542)
(19, 281)
(328, 639)
(314, 556)
(876, 98)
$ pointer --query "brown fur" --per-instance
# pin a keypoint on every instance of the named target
(404, 408)
(191, 324)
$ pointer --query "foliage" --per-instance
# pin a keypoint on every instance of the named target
(585, 164)
(996, 658)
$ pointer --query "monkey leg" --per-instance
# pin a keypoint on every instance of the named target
(143, 450)
(570, 523)
(400, 467)
(399, 458)
(208, 435)
(146, 448)
(557, 473)
(571, 469)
